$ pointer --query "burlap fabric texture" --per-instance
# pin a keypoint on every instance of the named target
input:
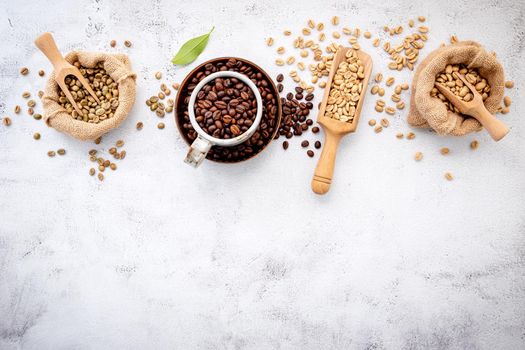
(118, 67)
(430, 112)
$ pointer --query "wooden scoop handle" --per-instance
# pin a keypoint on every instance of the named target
(325, 165)
(495, 127)
(47, 45)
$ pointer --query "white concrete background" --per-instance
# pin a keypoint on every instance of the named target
(162, 256)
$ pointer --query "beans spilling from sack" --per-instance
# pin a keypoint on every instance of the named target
(104, 87)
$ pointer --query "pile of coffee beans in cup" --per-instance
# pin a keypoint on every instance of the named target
(270, 118)
(225, 108)
(295, 115)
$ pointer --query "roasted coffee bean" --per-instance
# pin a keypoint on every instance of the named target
(280, 87)
(310, 153)
(315, 129)
(225, 92)
(309, 97)
(280, 78)
(299, 96)
(225, 113)
(317, 144)
(299, 89)
(285, 145)
(289, 96)
(305, 144)
(309, 121)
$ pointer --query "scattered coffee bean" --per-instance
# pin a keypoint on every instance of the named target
(98, 140)
(41, 72)
(101, 176)
(158, 75)
(119, 143)
(36, 136)
(113, 43)
(285, 145)
(449, 176)
(161, 126)
(113, 166)
(418, 156)
(6, 121)
(280, 78)
(92, 171)
(310, 153)
(61, 151)
(474, 144)
(317, 144)
(17, 109)
(24, 71)
(51, 153)
(315, 129)
(444, 151)
(139, 125)
(26, 94)
(305, 144)
(127, 43)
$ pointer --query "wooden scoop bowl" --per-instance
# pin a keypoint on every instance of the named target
(475, 108)
(63, 68)
(335, 129)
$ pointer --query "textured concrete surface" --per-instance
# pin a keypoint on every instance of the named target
(161, 256)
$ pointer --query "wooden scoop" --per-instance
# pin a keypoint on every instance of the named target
(63, 68)
(336, 129)
(475, 108)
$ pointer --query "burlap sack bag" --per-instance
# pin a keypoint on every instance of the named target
(430, 112)
(118, 67)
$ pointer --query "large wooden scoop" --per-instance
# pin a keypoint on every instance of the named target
(63, 68)
(475, 108)
(335, 129)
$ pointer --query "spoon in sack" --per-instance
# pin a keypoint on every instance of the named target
(335, 129)
(475, 108)
(63, 68)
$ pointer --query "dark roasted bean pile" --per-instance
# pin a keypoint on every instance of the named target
(295, 114)
(225, 108)
(269, 122)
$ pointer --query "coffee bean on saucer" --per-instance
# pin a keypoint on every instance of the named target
(317, 144)
(305, 143)
(310, 153)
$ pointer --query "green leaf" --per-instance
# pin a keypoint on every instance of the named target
(191, 49)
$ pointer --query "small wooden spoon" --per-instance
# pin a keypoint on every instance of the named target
(63, 68)
(336, 129)
(475, 108)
